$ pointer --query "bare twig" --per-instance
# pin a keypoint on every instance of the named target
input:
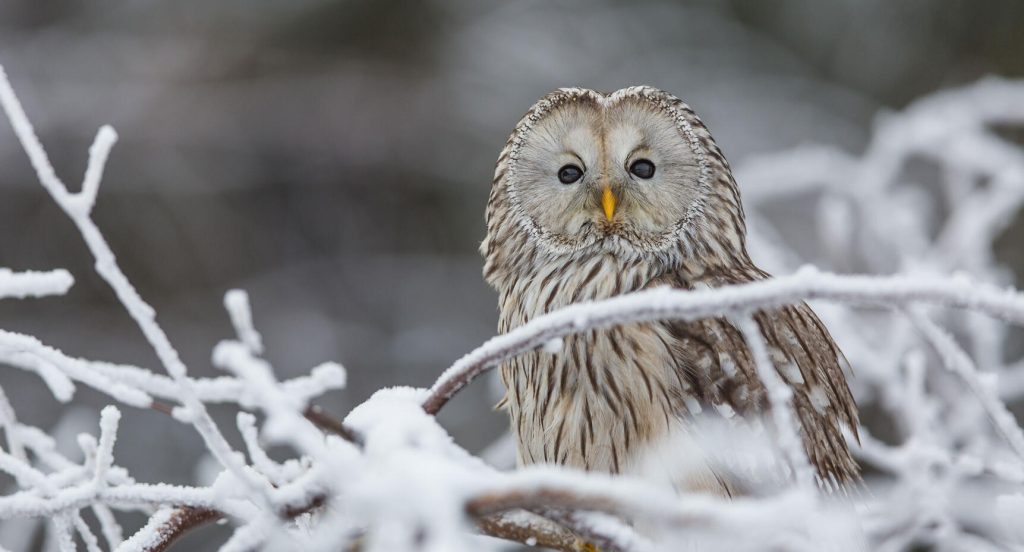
(327, 423)
(529, 529)
(536, 499)
(560, 509)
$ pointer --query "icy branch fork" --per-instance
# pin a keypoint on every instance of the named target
(78, 206)
(389, 478)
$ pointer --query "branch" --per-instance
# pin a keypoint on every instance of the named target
(162, 531)
(956, 360)
(30, 504)
(538, 498)
(598, 531)
(529, 529)
(666, 304)
(236, 302)
(34, 284)
(780, 402)
(595, 507)
(187, 518)
(329, 424)
(137, 386)
(166, 527)
(78, 207)
(58, 370)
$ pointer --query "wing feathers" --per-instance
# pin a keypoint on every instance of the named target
(712, 357)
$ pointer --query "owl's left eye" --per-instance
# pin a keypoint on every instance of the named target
(642, 168)
(569, 174)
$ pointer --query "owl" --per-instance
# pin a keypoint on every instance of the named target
(597, 195)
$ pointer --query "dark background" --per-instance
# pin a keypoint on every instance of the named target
(334, 159)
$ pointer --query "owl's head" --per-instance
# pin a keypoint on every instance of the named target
(633, 173)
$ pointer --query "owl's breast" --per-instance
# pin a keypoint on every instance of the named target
(559, 282)
(595, 403)
(610, 399)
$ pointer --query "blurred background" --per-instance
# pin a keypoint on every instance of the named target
(334, 159)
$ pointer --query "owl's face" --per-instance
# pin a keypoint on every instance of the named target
(607, 172)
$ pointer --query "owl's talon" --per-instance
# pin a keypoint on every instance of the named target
(584, 546)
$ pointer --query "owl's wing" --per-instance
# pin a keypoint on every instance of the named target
(712, 357)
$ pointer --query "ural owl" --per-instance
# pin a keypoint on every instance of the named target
(598, 195)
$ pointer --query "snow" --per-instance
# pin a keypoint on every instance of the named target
(925, 331)
(150, 534)
(780, 399)
(553, 346)
(236, 302)
(20, 285)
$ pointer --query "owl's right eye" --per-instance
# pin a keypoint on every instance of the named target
(569, 174)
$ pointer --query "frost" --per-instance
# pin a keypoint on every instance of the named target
(236, 302)
(725, 410)
(1009, 510)
(791, 372)
(34, 284)
(819, 400)
(727, 363)
(553, 346)
(926, 343)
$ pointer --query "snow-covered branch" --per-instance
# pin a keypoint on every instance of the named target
(665, 304)
(34, 284)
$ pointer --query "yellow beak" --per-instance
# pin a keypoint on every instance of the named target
(608, 202)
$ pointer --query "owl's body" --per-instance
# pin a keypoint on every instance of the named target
(596, 196)
(568, 409)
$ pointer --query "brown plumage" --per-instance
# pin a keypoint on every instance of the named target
(653, 203)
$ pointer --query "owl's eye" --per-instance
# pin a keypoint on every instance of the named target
(642, 168)
(569, 174)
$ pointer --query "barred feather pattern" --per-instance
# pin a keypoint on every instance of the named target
(610, 393)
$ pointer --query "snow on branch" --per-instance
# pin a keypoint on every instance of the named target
(666, 303)
(34, 284)
(389, 477)
(780, 401)
(137, 386)
(78, 207)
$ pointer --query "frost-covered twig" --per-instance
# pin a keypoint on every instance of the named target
(165, 527)
(24, 351)
(34, 284)
(665, 303)
(58, 370)
(957, 361)
(137, 386)
(691, 514)
(78, 207)
(236, 302)
(780, 402)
